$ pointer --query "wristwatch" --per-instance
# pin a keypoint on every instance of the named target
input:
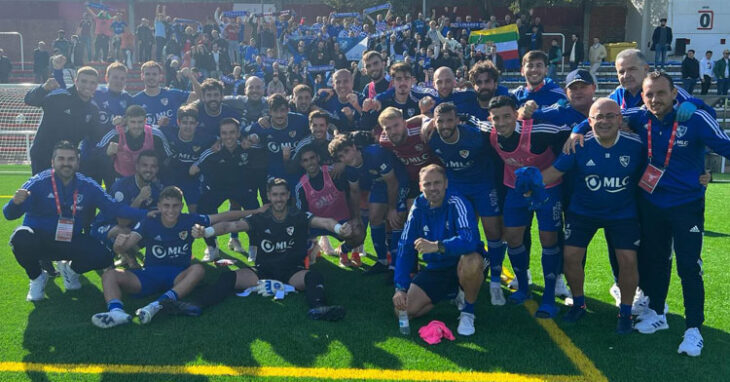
(442, 249)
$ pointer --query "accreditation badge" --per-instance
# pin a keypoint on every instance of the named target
(651, 178)
(65, 229)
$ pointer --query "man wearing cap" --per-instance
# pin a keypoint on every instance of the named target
(580, 89)
(661, 42)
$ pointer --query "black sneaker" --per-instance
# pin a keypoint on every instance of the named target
(180, 308)
(327, 313)
(377, 268)
(574, 314)
(624, 325)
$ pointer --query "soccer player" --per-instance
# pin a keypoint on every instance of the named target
(68, 114)
(140, 190)
(320, 194)
(534, 145)
(538, 86)
(399, 96)
(580, 90)
(444, 82)
(226, 174)
(53, 203)
(168, 267)
(484, 77)
(286, 130)
(605, 174)
(187, 143)
(470, 165)
(375, 69)
(319, 138)
(124, 145)
(443, 229)
(211, 109)
(282, 235)
(344, 105)
(374, 169)
(301, 100)
(672, 204)
(161, 103)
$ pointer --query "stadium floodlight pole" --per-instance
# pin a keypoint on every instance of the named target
(22, 55)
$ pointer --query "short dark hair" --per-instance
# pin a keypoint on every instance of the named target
(534, 55)
(659, 74)
(187, 111)
(171, 192)
(149, 154)
(211, 84)
(501, 101)
(305, 149)
(486, 66)
(709, 51)
(134, 111)
(339, 143)
(274, 182)
(319, 114)
(400, 67)
(443, 108)
(691, 50)
(229, 121)
(64, 145)
(277, 101)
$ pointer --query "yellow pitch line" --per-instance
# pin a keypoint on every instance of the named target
(6, 196)
(291, 372)
(579, 359)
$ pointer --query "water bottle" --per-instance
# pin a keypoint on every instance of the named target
(403, 325)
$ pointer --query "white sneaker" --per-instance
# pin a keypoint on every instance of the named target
(466, 324)
(561, 289)
(514, 284)
(459, 300)
(651, 323)
(235, 245)
(111, 319)
(37, 288)
(146, 313)
(211, 254)
(692, 343)
(616, 294)
(326, 246)
(70, 278)
(495, 290)
(641, 302)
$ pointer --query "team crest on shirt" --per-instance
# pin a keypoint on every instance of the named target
(624, 160)
(464, 153)
(163, 101)
(183, 235)
(418, 147)
(196, 148)
(290, 230)
(292, 133)
(681, 131)
(79, 198)
(411, 112)
(88, 118)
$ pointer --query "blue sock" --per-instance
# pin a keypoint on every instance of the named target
(550, 262)
(393, 245)
(468, 307)
(580, 301)
(496, 258)
(624, 310)
(114, 304)
(377, 235)
(518, 258)
(169, 295)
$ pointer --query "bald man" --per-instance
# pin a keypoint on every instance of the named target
(444, 82)
(344, 104)
(251, 106)
(605, 173)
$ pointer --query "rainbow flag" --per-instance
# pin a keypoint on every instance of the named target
(503, 38)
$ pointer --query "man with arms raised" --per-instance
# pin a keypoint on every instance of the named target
(443, 230)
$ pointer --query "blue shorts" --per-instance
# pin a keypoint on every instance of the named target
(482, 196)
(549, 216)
(439, 284)
(192, 190)
(379, 194)
(316, 232)
(622, 233)
(100, 232)
(156, 279)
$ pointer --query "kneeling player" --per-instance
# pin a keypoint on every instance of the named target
(281, 234)
(167, 260)
(443, 228)
(606, 170)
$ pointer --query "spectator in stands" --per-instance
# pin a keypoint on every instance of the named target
(62, 44)
(722, 72)
(84, 33)
(596, 55)
(535, 38)
(160, 31)
(41, 59)
(706, 71)
(103, 23)
(275, 86)
(145, 39)
(5, 68)
(76, 52)
(690, 71)
(118, 26)
(554, 55)
(661, 42)
(127, 47)
(574, 52)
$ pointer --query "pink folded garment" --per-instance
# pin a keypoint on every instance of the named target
(434, 331)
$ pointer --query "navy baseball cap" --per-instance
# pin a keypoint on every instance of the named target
(581, 75)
